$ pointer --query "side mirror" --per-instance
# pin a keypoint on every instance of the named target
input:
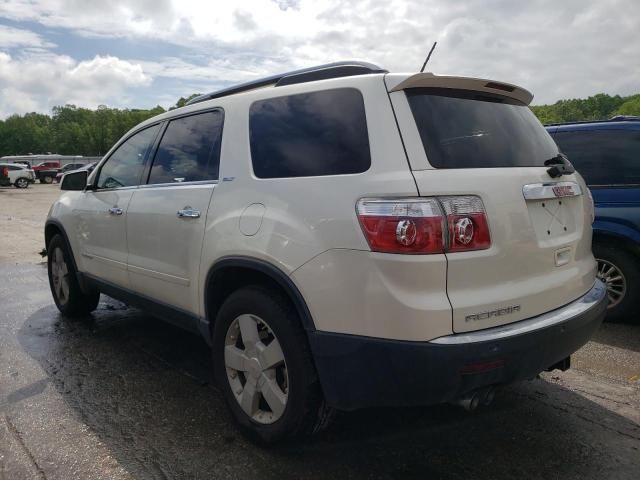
(74, 180)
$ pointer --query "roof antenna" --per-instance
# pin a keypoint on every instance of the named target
(428, 56)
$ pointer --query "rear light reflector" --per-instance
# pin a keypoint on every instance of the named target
(479, 367)
(424, 225)
(467, 223)
(403, 225)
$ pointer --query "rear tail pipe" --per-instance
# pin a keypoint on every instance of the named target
(473, 400)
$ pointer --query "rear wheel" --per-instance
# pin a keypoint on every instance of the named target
(21, 183)
(63, 281)
(264, 367)
(619, 270)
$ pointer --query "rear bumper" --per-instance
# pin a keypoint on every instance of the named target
(357, 372)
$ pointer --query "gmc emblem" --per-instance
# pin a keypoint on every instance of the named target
(563, 191)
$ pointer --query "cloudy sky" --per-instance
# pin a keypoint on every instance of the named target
(140, 53)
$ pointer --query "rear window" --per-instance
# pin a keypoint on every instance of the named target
(463, 129)
(603, 157)
(311, 134)
(189, 150)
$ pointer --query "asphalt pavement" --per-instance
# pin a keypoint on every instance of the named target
(123, 396)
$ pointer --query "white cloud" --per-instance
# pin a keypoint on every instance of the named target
(40, 81)
(571, 48)
(11, 37)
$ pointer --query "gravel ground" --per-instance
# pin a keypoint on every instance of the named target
(123, 396)
(22, 216)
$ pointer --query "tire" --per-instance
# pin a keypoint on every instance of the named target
(292, 386)
(620, 270)
(47, 179)
(21, 183)
(63, 281)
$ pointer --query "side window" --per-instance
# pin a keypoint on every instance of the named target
(124, 167)
(310, 134)
(603, 157)
(189, 150)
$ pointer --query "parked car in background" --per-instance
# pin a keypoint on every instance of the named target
(88, 167)
(67, 168)
(17, 175)
(607, 155)
(343, 238)
(47, 171)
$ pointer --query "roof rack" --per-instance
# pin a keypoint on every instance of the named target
(321, 72)
(624, 118)
(615, 118)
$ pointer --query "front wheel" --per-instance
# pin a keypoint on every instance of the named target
(263, 365)
(47, 179)
(63, 281)
(620, 271)
(21, 183)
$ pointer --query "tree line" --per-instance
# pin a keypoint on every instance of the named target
(71, 130)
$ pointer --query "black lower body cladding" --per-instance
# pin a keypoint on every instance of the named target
(357, 372)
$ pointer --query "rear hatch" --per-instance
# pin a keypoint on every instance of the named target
(480, 138)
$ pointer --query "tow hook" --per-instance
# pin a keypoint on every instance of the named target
(473, 400)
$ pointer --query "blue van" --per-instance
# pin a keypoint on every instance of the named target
(607, 155)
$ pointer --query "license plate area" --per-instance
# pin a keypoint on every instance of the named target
(553, 209)
(553, 219)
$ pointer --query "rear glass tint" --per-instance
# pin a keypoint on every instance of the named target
(603, 157)
(462, 129)
(311, 134)
(189, 150)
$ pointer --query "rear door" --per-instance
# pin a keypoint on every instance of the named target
(467, 142)
(166, 217)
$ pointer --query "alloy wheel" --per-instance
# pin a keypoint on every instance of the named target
(256, 369)
(21, 183)
(59, 274)
(615, 281)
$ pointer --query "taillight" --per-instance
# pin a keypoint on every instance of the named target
(467, 223)
(424, 225)
(403, 225)
(5, 171)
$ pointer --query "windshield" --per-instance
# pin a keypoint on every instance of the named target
(464, 129)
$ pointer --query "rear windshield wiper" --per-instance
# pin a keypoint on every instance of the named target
(560, 165)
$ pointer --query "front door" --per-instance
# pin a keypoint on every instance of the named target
(166, 217)
(101, 229)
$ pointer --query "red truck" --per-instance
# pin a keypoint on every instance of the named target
(46, 171)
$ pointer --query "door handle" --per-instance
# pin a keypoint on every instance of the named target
(188, 212)
(115, 211)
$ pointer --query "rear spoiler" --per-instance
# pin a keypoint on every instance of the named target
(421, 80)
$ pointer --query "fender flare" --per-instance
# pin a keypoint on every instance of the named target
(67, 244)
(271, 271)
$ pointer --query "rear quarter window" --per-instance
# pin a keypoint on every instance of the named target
(603, 157)
(309, 134)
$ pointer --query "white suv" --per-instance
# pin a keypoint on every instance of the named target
(20, 176)
(343, 238)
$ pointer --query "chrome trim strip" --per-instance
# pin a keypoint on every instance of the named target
(543, 191)
(555, 317)
(178, 184)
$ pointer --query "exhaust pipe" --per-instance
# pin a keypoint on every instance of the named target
(469, 402)
(474, 399)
